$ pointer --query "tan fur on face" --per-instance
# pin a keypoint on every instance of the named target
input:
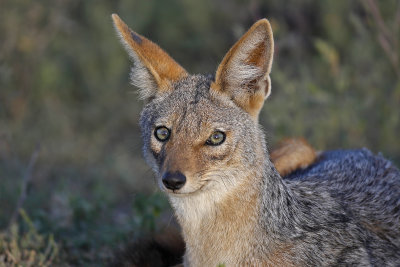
(191, 156)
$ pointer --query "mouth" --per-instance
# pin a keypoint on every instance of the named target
(182, 192)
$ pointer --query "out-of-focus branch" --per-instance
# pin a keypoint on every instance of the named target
(376, 14)
(25, 182)
(387, 38)
(396, 24)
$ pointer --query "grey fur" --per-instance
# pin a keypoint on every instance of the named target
(327, 212)
(234, 207)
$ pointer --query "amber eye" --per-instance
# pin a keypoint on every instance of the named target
(216, 138)
(162, 133)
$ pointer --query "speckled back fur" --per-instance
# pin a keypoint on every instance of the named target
(353, 192)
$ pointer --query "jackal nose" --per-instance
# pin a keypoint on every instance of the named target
(174, 180)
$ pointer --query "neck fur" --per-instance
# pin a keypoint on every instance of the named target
(225, 227)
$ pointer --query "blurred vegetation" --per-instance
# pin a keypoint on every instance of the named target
(28, 248)
(64, 85)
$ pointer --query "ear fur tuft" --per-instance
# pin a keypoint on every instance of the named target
(153, 69)
(244, 71)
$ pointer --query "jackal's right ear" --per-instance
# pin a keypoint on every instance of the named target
(153, 70)
(244, 72)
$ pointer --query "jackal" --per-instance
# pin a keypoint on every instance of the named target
(167, 247)
(203, 140)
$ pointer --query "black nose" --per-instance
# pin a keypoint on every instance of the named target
(174, 180)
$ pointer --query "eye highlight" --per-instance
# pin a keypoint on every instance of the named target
(216, 138)
(162, 133)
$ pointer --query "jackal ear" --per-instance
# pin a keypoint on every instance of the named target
(153, 70)
(244, 71)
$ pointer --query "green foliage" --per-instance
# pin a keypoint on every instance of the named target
(64, 84)
(26, 247)
(147, 209)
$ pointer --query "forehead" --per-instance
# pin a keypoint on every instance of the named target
(191, 103)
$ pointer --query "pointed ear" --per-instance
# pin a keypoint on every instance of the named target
(244, 72)
(153, 70)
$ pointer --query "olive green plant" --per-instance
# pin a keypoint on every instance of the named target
(27, 247)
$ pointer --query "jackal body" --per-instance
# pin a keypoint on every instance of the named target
(202, 139)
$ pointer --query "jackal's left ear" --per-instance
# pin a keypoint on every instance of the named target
(153, 70)
(244, 71)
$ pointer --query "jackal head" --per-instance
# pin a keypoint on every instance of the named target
(201, 133)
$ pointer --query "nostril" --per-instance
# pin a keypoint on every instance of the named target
(174, 180)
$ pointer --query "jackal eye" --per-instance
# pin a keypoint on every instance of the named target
(216, 138)
(162, 133)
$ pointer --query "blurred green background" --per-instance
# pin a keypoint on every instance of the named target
(65, 98)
